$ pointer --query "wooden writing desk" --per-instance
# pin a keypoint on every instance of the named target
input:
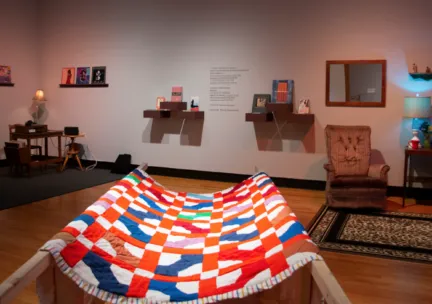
(45, 136)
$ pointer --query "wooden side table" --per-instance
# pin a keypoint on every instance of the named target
(407, 166)
(73, 151)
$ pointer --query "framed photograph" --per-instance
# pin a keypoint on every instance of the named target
(159, 99)
(259, 103)
(68, 76)
(304, 107)
(282, 91)
(83, 75)
(5, 74)
(98, 75)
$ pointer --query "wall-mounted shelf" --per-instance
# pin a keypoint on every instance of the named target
(279, 107)
(173, 105)
(259, 117)
(95, 85)
(7, 84)
(189, 115)
(282, 112)
(424, 76)
(156, 114)
(297, 118)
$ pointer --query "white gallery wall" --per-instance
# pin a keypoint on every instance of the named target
(149, 46)
(19, 49)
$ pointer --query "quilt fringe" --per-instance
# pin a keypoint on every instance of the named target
(236, 294)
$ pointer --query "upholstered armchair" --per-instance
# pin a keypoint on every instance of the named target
(352, 181)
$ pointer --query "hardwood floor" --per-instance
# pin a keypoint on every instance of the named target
(365, 279)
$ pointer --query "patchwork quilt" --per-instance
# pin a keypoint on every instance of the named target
(142, 243)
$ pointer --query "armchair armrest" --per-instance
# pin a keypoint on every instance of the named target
(379, 171)
(329, 168)
(330, 172)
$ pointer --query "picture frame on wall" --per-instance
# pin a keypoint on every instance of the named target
(282, 91)
(5, 74)
(68, 76)
(99, 75)
(83, 75)
(259, 103)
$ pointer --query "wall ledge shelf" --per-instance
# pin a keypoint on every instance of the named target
(280, 112)
(189, 115)
(173, 105)
(424, 76)
(95, 85)
(8, 84)
(259, 117)
(279, 107)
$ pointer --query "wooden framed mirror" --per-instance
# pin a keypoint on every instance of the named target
(356, 83)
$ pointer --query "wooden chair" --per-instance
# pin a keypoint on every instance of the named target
(32, 147)
(20, 158)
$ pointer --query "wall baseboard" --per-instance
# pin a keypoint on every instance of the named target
(417, 193)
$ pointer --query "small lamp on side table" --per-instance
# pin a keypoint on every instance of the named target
(38, 99)
(418, 108)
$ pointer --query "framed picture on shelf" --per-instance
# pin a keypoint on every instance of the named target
(83, 75)
(98, 75)
(259, 103)
(5, 74)
(282, 91)
(194, 104)
(158, 101)
(304, 107)
(68, 76)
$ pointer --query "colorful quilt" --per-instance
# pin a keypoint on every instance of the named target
(142, 243)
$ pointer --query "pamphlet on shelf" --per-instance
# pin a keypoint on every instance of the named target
(195, 103)
(177, 93)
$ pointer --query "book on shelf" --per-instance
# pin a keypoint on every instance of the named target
(177, 93)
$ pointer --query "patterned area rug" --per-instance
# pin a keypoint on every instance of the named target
(403, 236)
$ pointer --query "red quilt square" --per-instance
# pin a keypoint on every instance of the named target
(277, 263)
(138, 287)
(73, 253)
(94, 232)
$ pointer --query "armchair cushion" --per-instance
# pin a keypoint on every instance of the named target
(357, 182)
(349, 149)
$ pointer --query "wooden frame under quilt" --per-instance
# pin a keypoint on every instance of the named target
(142, 243)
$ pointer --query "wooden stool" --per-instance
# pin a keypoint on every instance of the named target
(73, 151)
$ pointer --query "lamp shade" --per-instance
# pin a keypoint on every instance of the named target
(417, 107)
(39, 96)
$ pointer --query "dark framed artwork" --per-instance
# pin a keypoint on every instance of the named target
(5, 74)
(98, 75)
(282, 91)
(83, 75)
(259, 103)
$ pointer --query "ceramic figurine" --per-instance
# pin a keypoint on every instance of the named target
(414, 143)
(415, 70)
(428, 70)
